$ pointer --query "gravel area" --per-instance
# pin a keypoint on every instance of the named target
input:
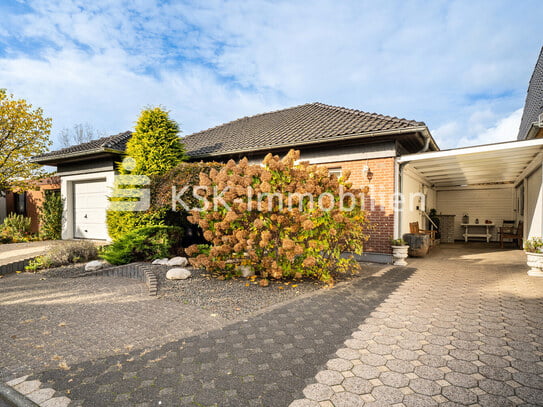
(231, 299)
(70, 271)
(239, 297)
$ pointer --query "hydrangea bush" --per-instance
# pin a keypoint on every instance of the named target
(284, 219)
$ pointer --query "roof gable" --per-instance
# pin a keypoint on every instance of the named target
(300, 125)
(533, 106)
(115, 143)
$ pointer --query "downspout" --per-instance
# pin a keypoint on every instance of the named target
(427, 140)
(398, 191)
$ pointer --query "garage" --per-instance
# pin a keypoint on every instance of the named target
(89, 213)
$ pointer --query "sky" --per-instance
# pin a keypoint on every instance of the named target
(462, 67)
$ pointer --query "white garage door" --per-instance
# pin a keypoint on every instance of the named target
(90, 203)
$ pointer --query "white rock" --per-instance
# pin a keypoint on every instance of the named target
(95, 265)
(178, 261)
(161, 262)
(246, 271)
(178, 274)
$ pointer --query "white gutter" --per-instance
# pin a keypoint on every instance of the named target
(486, 148)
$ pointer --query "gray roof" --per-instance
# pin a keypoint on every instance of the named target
(533, 106)
(115, 143)
(296, 126)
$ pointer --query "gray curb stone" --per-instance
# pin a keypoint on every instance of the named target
(14, 398)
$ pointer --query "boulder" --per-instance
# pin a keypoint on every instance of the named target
(178, 274)
(178, 261)
(246, 271)
(160, 262)
(96, 265)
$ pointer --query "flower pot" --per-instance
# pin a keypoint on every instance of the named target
(399, 254)
(535, 261)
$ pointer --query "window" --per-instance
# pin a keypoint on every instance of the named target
(335, 171)
(19, 200)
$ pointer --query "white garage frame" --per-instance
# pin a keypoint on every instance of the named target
(67, 192)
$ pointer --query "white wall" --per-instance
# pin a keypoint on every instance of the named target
(413, 187)
(533, 209)
(495, 204)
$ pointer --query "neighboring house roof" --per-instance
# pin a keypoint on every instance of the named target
(312, 123)
(533, 106)
(296, 126)
(109, 144)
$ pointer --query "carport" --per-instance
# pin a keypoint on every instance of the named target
(494, 183)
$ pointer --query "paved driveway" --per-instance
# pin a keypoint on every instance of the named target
(12, 252)
(465, 329)
(462, 327)
(47, 323)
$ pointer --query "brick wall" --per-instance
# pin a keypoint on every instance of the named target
(34, 199)
(380, 179)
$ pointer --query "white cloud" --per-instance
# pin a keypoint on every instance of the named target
(455, 134)
(442, 63)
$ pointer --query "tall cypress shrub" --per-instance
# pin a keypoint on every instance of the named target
(154, 148)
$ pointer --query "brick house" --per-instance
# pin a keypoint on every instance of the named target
(27, 202)
(341, 139)
(396, 158)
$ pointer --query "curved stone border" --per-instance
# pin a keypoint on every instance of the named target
(14, 398)
(136, 271)
(15, 266)
(21, 392)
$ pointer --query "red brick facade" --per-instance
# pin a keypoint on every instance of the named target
(33, 200)
(378, 175)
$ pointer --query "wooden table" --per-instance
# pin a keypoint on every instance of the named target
(467, 234)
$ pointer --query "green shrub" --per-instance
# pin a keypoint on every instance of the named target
(153, 149)
(161, 213)
(147, 243)
(16, 228)
(51, 216)
(534, 245)
(79, 251)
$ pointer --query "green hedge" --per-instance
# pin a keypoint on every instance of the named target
(147, 243)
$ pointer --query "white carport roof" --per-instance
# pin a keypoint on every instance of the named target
(506, 162)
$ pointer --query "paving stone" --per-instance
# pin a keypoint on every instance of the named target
(530, 395)
(339, 365)
(347, 399)
(366, 372)
(459, 395)
(329, 377)
(400, 366)
(429, 373)
(56, 402)
(357, 385)
(495, 373)
(425, 387)
(394, 379)
(418, 400)
(461, 379)
(41, 395)
(497, 388)
(318, 392)
(28, 386)
(388, 395)
(489, 400)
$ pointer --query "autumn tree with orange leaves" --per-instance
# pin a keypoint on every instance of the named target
(24, 132)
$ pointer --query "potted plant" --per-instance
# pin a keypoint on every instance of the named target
(399, 252)
(534, 256)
